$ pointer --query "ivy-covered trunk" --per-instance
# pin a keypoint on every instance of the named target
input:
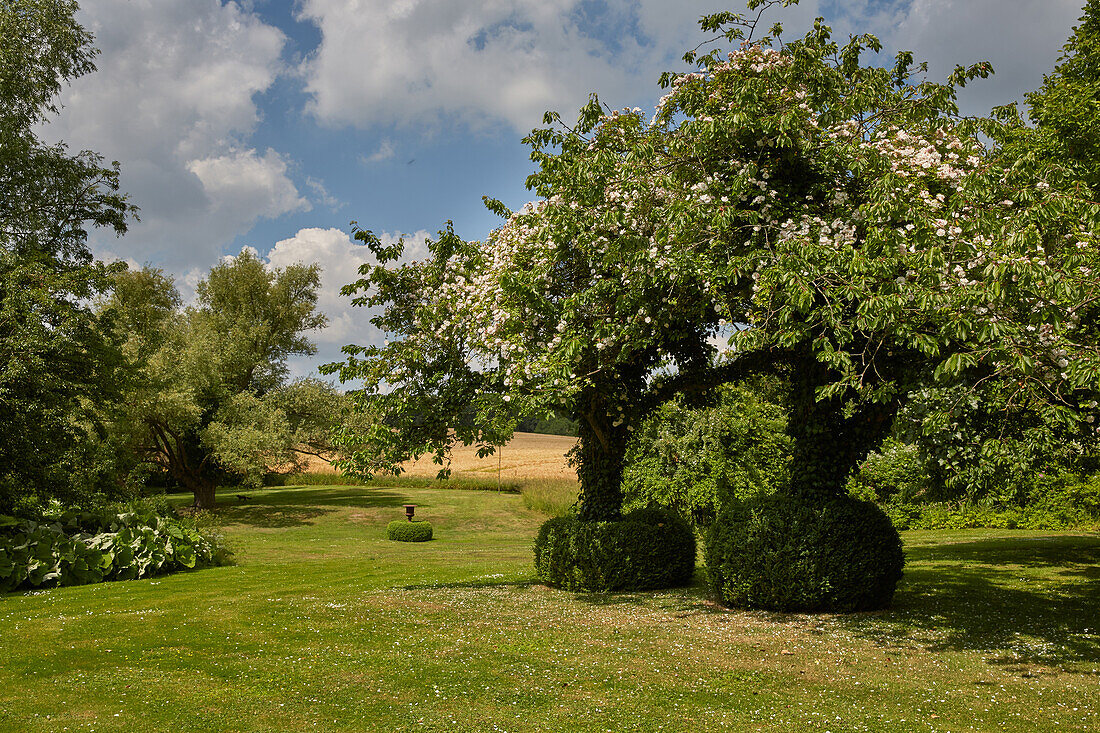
(600, 459)
(828, 445)
(821, 454)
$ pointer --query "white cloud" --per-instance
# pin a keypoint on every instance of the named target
(426, 61)
(340, 258)
(173, 101)
(242, 181)
(385, 152)
(1022, 39)
(322, 196)
(431, 61)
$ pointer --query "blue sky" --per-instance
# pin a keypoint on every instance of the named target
(273, 123)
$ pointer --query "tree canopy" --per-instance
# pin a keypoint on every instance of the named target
(1066, 109)
(208, 398)
(840, 221)
(57, 359)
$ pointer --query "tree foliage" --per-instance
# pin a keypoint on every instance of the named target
(1065, 110)
(208, 399)
(57, 358)
(698, 461)
(840, 221)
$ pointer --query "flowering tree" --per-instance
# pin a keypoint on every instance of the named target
(840, 223)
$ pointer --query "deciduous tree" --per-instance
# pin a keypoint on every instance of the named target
(838, 221)
(56, 357)
(208, 400)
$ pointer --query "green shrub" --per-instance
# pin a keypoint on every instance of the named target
(778, 553)
(403, 530)
(964, 515)
(75, 548)
(694, 460)
(895, 472)
(647, 548)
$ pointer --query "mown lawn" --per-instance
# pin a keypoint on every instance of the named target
(325, 625)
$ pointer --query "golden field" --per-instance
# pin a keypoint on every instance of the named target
(527, 456)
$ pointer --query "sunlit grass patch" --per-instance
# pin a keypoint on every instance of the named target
(326, 625)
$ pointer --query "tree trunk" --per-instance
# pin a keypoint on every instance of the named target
(203, 489)
(204, 496)
(600, 467)
(827, 446)
(821, 459)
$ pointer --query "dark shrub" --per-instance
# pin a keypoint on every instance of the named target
(405, 531)
(778, 553)
(647, 548)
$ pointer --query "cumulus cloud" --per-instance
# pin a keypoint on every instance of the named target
(430, 61)
(173, 100)
(242, 181)
(1022, 39)
(340, 258)
(508, 61)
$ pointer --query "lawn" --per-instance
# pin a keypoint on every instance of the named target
(325, 625)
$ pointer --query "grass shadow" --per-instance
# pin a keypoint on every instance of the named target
(362, 497)
(298, 506)
(691, 599)
(268, 517)
(1021, 600)
(1033, 600)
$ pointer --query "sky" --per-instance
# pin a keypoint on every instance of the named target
(273, 124)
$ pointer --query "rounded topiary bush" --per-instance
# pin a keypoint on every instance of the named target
(646, 549)
(781, 554)
(405, 531)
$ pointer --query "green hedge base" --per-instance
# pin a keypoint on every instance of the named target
(405, 531)
(778, 553)
(646, 549)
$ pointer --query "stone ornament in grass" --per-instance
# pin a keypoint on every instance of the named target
(405, 531)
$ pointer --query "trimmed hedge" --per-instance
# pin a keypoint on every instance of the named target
(403, 530)
(779, 554)
(646, 549)
(75, 548)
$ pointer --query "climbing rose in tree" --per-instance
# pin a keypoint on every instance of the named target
(811, 216)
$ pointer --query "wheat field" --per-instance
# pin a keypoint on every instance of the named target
(526, 456)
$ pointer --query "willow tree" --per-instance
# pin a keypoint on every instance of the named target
(207, 398)
(832, 220)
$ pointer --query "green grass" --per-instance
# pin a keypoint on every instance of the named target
(551, 496)
(325, 625)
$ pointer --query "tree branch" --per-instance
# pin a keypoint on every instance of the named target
(743, 366)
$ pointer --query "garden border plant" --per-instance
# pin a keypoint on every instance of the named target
(76, 548)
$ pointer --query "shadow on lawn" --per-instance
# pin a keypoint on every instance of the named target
(1024, 600)
(692, 599)
(298, 507)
